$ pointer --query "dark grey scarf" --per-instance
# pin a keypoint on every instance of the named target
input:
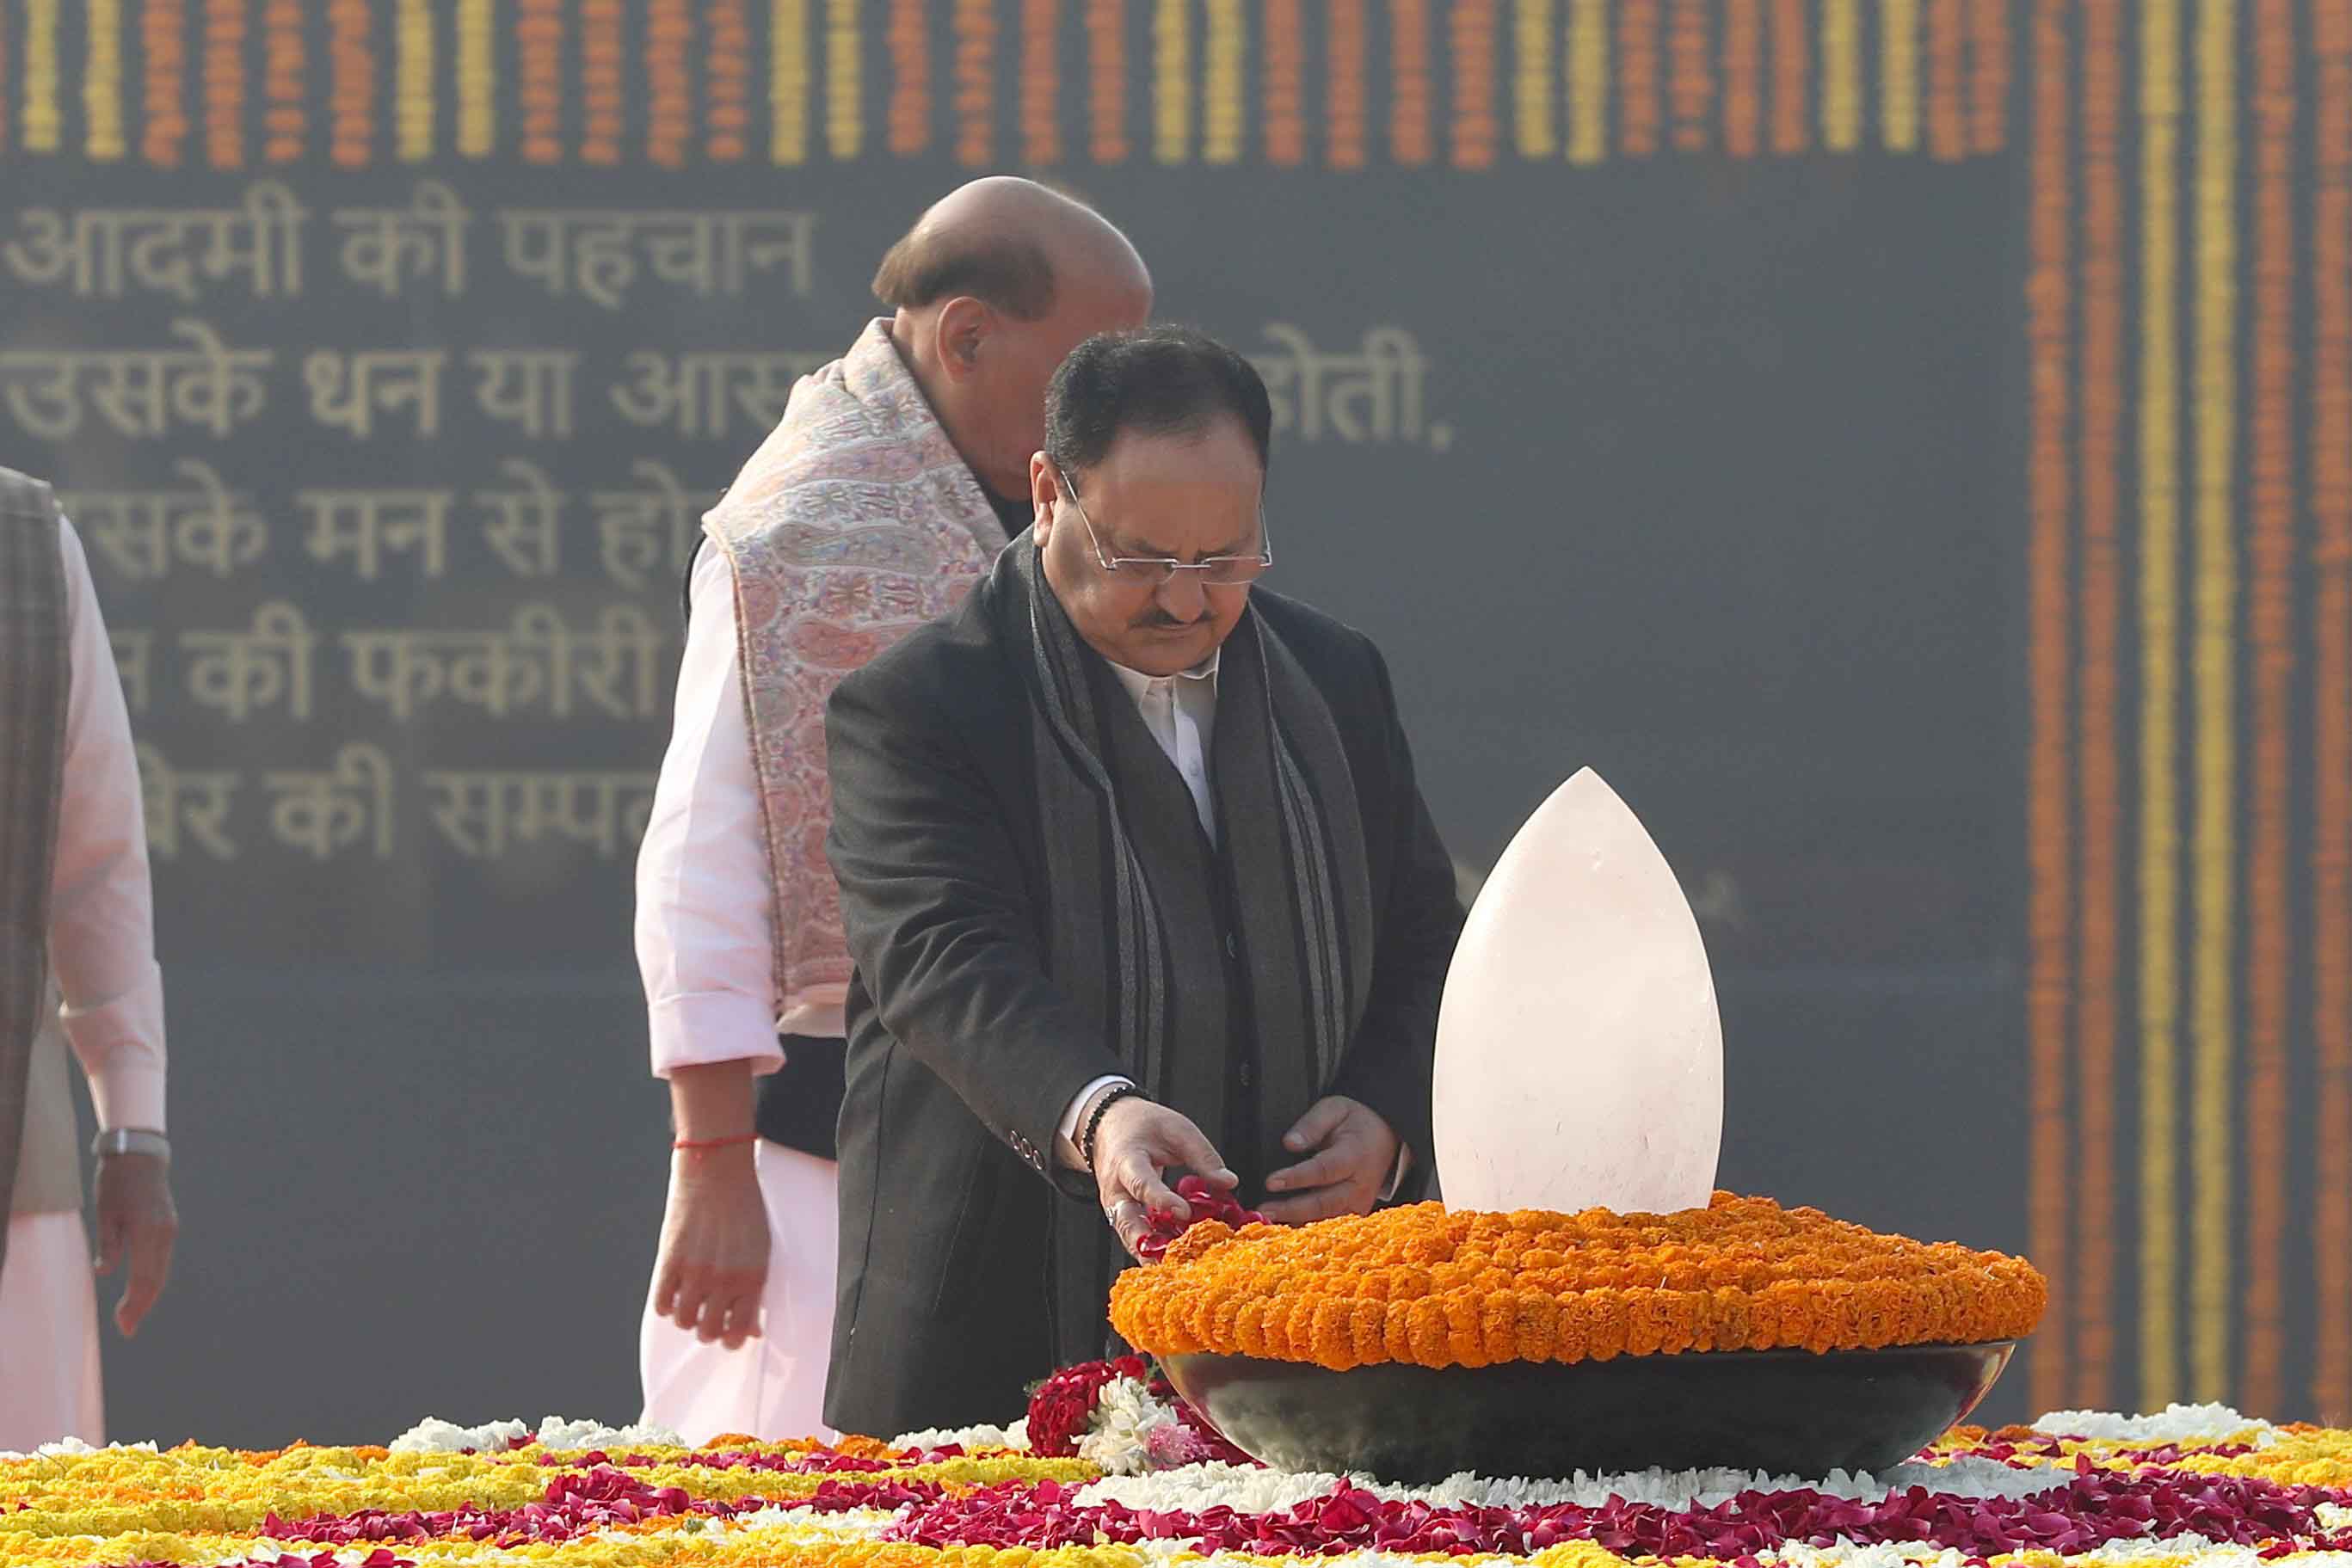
(1293, 840)
(35, 678)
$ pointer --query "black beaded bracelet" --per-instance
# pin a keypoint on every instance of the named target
(1110, 1096)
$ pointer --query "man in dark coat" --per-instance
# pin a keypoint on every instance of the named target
(1134, 871)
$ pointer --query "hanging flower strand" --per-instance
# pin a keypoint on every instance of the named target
(1743, 72)
(225, 34)
(2330, 445)
(164, 35)
(2049, 801)
(845, 81)
(1223, 107)
(1477, 128)
(1533, 88)
(350, 62)
(1588, 81)
(1637, 75)
(101, 91)
(539, 39)
(1792, 60)
(2097, 917)
(1948, 110)
(975, 82)
(44, 124)
(726, 75)
(1107, 80)
(669, 110)
(1284, 84)
(1041, 124)
(416, 80)
(602, 78)
(1171, 81)
(477, 78)
(1343, 88)
(285, 122)
(1694, 82)
(1842, 75)
(910, 78)
(1408, 86)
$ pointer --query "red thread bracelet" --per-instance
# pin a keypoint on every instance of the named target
(698, 1144)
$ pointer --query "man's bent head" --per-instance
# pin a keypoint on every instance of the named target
(1149, 492)
(992, 288)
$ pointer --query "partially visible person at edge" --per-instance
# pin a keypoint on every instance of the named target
(895, 475)
(79, 923)
(1138, 879)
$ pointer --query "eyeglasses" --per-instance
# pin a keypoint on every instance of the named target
(1214, 571)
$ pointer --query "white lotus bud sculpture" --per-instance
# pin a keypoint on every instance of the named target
(1580, 1054)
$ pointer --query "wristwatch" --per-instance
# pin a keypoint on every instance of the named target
(130, 1141)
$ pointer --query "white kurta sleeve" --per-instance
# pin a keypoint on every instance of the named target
(101, 903)
(705, 908)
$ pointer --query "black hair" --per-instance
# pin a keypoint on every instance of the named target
(1158, 381)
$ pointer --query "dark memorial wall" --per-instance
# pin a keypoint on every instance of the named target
(1662, 386)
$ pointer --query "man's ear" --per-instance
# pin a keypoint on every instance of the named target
(1045, 494)
(963, 330)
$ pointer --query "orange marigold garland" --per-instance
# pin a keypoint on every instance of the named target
(602, 90)
(669, 117)
(350, 63)
(2331, 485)
(1947, 118)
(539, 38)
(975, 82)
(1637, 69)
(1408, 94)
(1284, 78)
(1694, 80)
(1107, 80)
(2270, 614)
(1041, 120)
(1476, 129)
(727, 73)
(1422, 1286)
(1343, 91)
(2100, 777)
(910, 40)
(1989, 105)
(225, 32)
(1792, 66)
(2049, 777)
(1743, 70)
(163, 31)
(284, 58)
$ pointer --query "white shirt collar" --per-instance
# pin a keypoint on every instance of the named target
(1136, 682)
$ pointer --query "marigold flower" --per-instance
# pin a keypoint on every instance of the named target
(1421, 1286)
